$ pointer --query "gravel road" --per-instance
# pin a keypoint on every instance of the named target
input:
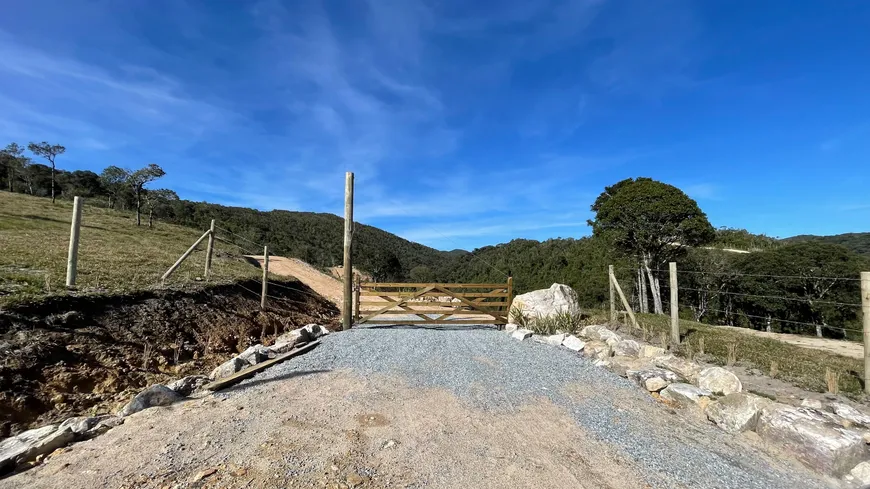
(417, 407)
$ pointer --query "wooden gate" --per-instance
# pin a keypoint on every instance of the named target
(430, 303)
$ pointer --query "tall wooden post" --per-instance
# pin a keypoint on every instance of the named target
(347, 312)
(209, 250)
(73, 255)
(675, 305)
(265, 278)
(612, 295)
(865, 312)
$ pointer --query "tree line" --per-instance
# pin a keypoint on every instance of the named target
(120, 187)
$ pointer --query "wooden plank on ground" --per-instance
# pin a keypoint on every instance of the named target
(468, 295)
(254, 369)
(458, 310)
(380, 304)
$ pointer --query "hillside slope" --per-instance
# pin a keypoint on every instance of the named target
(316, 238)
(857, 242)
(114, 254)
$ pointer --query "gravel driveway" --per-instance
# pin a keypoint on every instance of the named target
(417, 407)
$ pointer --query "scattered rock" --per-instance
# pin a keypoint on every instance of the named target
(556, 339)
(812, 438)
(684, 368)
(719, 381)
(593, 332)
(601, 363)
(203, 474)
(685, 394)
(861, 473)
(649, 351)
(354, 480)
(736, 412)
(32, 443)
(546, 302)
(256, 354)
(156, 395)
(621, 365)
(539, 339)
(510, 327)
(653, 379)
(315, 331)
(190, 384)
(296, 336)
(228, 368)
(573, 343)
(598, 349)
(390, 444)
(626, 348)
(521, 334)
(81, 425)
(811, 403)
(850, 414)
(611, 338)
(105, 425)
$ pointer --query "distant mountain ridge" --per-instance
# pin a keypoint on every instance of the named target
(857, 242)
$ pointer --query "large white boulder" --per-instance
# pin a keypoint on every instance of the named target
(850, 414)
(719, 381)
(546, 302)
(736, 412)
(156, 395)
(812, 438)
(32, 443)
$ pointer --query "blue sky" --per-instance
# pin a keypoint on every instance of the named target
(466, 123)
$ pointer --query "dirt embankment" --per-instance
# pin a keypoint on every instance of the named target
(67, 356)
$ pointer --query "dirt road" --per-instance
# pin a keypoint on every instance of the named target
(442, 408)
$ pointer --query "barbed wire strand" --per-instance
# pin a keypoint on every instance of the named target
(226, 241)
(815, 325)
(849, 304)
(697, 272)
(238, 235)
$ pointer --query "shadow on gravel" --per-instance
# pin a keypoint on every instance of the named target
(289, 375)
(431, 327)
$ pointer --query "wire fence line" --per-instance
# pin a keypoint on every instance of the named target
(803, 299)
(737, 274)
(239, 236)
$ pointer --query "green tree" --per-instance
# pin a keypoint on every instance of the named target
(384, 266)
(157, 201)
(421, 274)
(12, 157)
(50, 153)
(652, 221)
(113, 180)
(137, 181)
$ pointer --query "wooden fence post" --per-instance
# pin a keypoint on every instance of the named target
(612, 295)
(675, 305)
(209, 250)
(627, 307)
(73, 256)
(184, 257)
(356, 294)
(347, 313)
(265, 278)
(865, 312)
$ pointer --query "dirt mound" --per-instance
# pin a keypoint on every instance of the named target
(72, 355)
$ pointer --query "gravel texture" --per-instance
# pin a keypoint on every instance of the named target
(490, 371)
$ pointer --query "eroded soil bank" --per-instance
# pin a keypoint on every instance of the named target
(69, 355)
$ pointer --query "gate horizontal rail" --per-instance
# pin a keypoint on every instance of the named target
(433, 303)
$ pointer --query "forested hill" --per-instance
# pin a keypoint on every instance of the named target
(314, 237)
(857, 242)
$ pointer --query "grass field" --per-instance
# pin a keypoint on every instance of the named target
(803, 367)
(114, 254)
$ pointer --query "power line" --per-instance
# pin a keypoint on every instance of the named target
(849, 304)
